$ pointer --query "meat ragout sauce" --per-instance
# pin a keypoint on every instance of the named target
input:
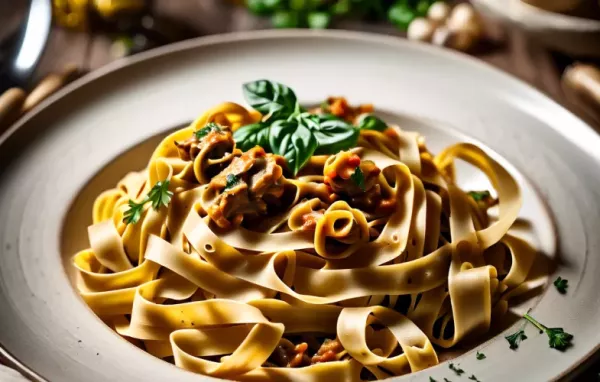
(258, 176)
(286, 354)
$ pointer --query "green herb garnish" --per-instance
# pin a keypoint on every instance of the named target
(270, 98)
(479, 196)
(561, 285)
(231, 181)
(557, 338)
(358, 178)
(203, 132)
(371, 122)
(432, 380)
(447, 380)
(320, 13)
(516, 338)
(288, 130)
(295, 142)
(474, 378)
(158, 196)
(256, 134)
(480, 356)
(455, 369)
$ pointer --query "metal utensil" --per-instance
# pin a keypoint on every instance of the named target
(25, 52)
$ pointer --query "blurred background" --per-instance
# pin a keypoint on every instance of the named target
(554, 45)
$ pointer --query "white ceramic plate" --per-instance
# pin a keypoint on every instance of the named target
(568, 34)
(61, 156)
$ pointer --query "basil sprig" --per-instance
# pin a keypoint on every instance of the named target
(288, 130)
(294, 141)
(270, 98)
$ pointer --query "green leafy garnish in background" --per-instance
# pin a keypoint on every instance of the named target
(288, 130)
(561, 285)
(557, 338)
(210, 127)
(158, 196)
(480, 356)
(319, 14)
(515, 339)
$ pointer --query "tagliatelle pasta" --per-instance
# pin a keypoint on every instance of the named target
(227, 263)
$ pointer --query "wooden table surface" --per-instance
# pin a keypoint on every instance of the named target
(510, 51)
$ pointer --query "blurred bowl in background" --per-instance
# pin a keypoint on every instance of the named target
(572, 35)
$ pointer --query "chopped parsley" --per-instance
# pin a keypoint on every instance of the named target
(561, 285)
(447, 380)
(480, 356)
(455, 369)
(358, 178)
(557, 338)
(474, 378)
(479, 196)
(208, 128)
(231, 181)
(515, 339)
(432, 380)
(158, 196)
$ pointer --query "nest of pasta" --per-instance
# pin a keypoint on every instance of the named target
(359, 266)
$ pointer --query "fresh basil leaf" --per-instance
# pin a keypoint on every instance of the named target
(294, 141)
(256, 134)
(270, 98)
(371, 122)
(311, 121)
(334, 135)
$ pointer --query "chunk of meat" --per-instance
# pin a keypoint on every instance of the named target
(287, 354)
(309, 221)
(216, 143)
(340, 107)
(328, 351)
(339, 171)
(243, 186)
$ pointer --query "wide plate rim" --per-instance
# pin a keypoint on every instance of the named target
(586, 137)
